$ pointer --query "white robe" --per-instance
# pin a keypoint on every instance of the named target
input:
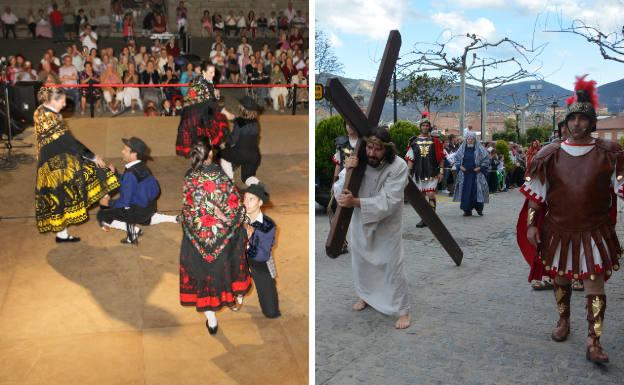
(375, 238)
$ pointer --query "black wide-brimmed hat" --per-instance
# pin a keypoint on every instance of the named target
(249, 103)
(258, 190)
(136, 145)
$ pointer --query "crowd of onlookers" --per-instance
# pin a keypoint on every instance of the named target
(67, 22)
(246, 62)
(500, 179)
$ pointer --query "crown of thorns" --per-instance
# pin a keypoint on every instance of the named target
(377, 140)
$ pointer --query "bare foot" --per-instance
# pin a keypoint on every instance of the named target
(403, 322)
(359, 305)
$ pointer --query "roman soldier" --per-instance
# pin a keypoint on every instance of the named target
(425, 160)
(582, 173)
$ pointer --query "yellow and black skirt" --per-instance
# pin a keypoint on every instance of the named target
(67, 186)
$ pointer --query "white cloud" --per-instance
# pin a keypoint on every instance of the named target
(607, 15)
(457, 24)
(334, 40)
(466, 4)
(371, 18)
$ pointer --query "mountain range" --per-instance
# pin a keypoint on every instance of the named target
(499, 99)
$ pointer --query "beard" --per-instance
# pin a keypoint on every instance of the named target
(374, 162)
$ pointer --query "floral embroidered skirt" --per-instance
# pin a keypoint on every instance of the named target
(227, 277)
(66, 187)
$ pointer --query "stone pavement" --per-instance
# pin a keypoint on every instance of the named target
(479, 323)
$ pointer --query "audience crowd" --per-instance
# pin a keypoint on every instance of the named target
(85, 61)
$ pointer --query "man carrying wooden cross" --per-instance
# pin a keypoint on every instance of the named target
(376, 228)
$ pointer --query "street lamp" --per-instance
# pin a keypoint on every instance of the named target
(554, 106)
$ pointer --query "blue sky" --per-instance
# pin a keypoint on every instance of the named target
(359, 30)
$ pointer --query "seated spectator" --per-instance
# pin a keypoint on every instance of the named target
(243, 61)
(217, 48)
(12, 70)
(54, 60)
(252, 24)
(160, 24)
(172, 48)
(27, 73)
(122, 65)
(47, 59)
(289, 69)
(263, 25)
(46, 75)
(289, 13)
(170, 78)
(171, 64)
(167, 109)
(299, 21)
(232, 67)
(89, 76)
(103, 23)
(300, 80)
(283, 44)
(43, 29)
(160, 63)
(230, 24)
(151, 108)
(68, 74)
(131, 96)
(296, 38)
(179, 105)
(282, 24)
(88, 37)
(218, 24)
(278, 94)
(219, 40)
(150, 76)
(259, 76)
(244, 44)
(219, 62)
(138, 58)
(299, 60)
(155, 49)
(272, 23)
(187, 77)
(206, 23)
(110, 76)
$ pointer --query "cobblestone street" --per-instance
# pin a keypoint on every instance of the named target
(480, 323)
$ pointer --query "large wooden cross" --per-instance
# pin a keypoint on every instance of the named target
(363, 124)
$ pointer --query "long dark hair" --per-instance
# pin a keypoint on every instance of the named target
(383, 134)
(200, 152)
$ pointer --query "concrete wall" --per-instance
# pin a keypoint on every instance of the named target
(279, 134)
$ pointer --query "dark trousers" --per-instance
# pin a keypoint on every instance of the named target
(133, 215)
(9, 28)
(58, 33)
(265, 286)
(32, 27)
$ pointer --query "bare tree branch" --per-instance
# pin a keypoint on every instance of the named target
(611, 45)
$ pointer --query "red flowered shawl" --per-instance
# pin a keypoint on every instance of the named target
(211, 210)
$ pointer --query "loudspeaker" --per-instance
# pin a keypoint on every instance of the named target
(23, 97)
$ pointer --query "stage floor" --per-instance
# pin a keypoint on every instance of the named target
(98, 312)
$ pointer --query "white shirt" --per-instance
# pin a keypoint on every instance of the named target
(9, 18)
(89, 41)
(290, 14)
(128, 165)
(68, 71)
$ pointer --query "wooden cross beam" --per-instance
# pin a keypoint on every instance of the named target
(353, 115)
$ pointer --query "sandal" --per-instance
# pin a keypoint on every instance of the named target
(542, 285)
(577, 285)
